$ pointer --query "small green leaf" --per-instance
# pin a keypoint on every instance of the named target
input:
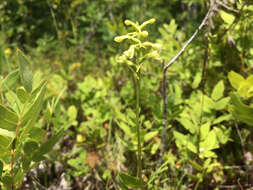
(7, 180)
(221, 104)
(222, 134)
(47, 146)
(8, 119)
(130, 181)
(222, 118)
(241, 111)
(209, 143)
(121, 184)
(196, 166)
(155, 147)
(25, 72)
(197, 80)
(204, 130)
(218, 91)
(209, 104)
(10, 81)
(22, 94)
(35, 108)
(4, 142)
(207, 154)
(37, 133)
(127, 130)
(235, 79)
(72, 112)
(26, 161)
(30, 147)
(187, 124)
(7, 133)
(150, 135)
(227, 17)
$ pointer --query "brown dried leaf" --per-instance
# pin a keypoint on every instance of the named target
(92, 159)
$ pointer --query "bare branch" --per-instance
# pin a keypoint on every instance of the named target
(165, 120)
(165, 112)
(227, 7)
(192, 37)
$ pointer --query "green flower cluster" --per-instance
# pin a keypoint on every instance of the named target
(139, 50)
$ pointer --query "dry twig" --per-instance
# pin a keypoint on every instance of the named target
(192, 37)
(204, 21)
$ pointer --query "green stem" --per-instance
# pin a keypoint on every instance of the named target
(139, 164)
(197, 185)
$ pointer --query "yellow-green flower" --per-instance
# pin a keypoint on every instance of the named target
(7, 51)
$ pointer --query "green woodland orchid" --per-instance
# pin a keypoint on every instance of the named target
(138, 51)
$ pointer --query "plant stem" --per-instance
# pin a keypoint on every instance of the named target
(139, 164)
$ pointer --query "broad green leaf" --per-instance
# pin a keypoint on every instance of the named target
(155, 147)
(221, 104)
(13, 100)
(209, 143)
(26, 161)
(130, 181)
(222, 118)
(218, 90)
(182, 141)
(228, 18)
(187, 124)
(1, 168)
(191, 147)
(4, 142)
(197, 80)
(8, 119)
(22, 94)
(10, 81)
(193, 177)
(7, 180)
(222, 134)
(121, 184)
(180, 138)
(161, 169)
(72, 112)
(7, 133)
(30, 147)
(36, 106)
(129, 144)
(235, 79)
(250, 92)
(241, 111)
(127, 130)
(150, 135)
(208, 104)
(37, 134)
(244, 88)
(207, 154)
(204, 130)
(196, 166)
(18, 177)
(25, 72)
(250, 79)
(47, 146)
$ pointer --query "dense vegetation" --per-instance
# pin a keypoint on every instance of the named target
(83, 102)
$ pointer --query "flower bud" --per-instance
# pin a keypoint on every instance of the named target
(144, 33)
(119, 38)
(128, 22)
(156, 46)
(151, 21)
